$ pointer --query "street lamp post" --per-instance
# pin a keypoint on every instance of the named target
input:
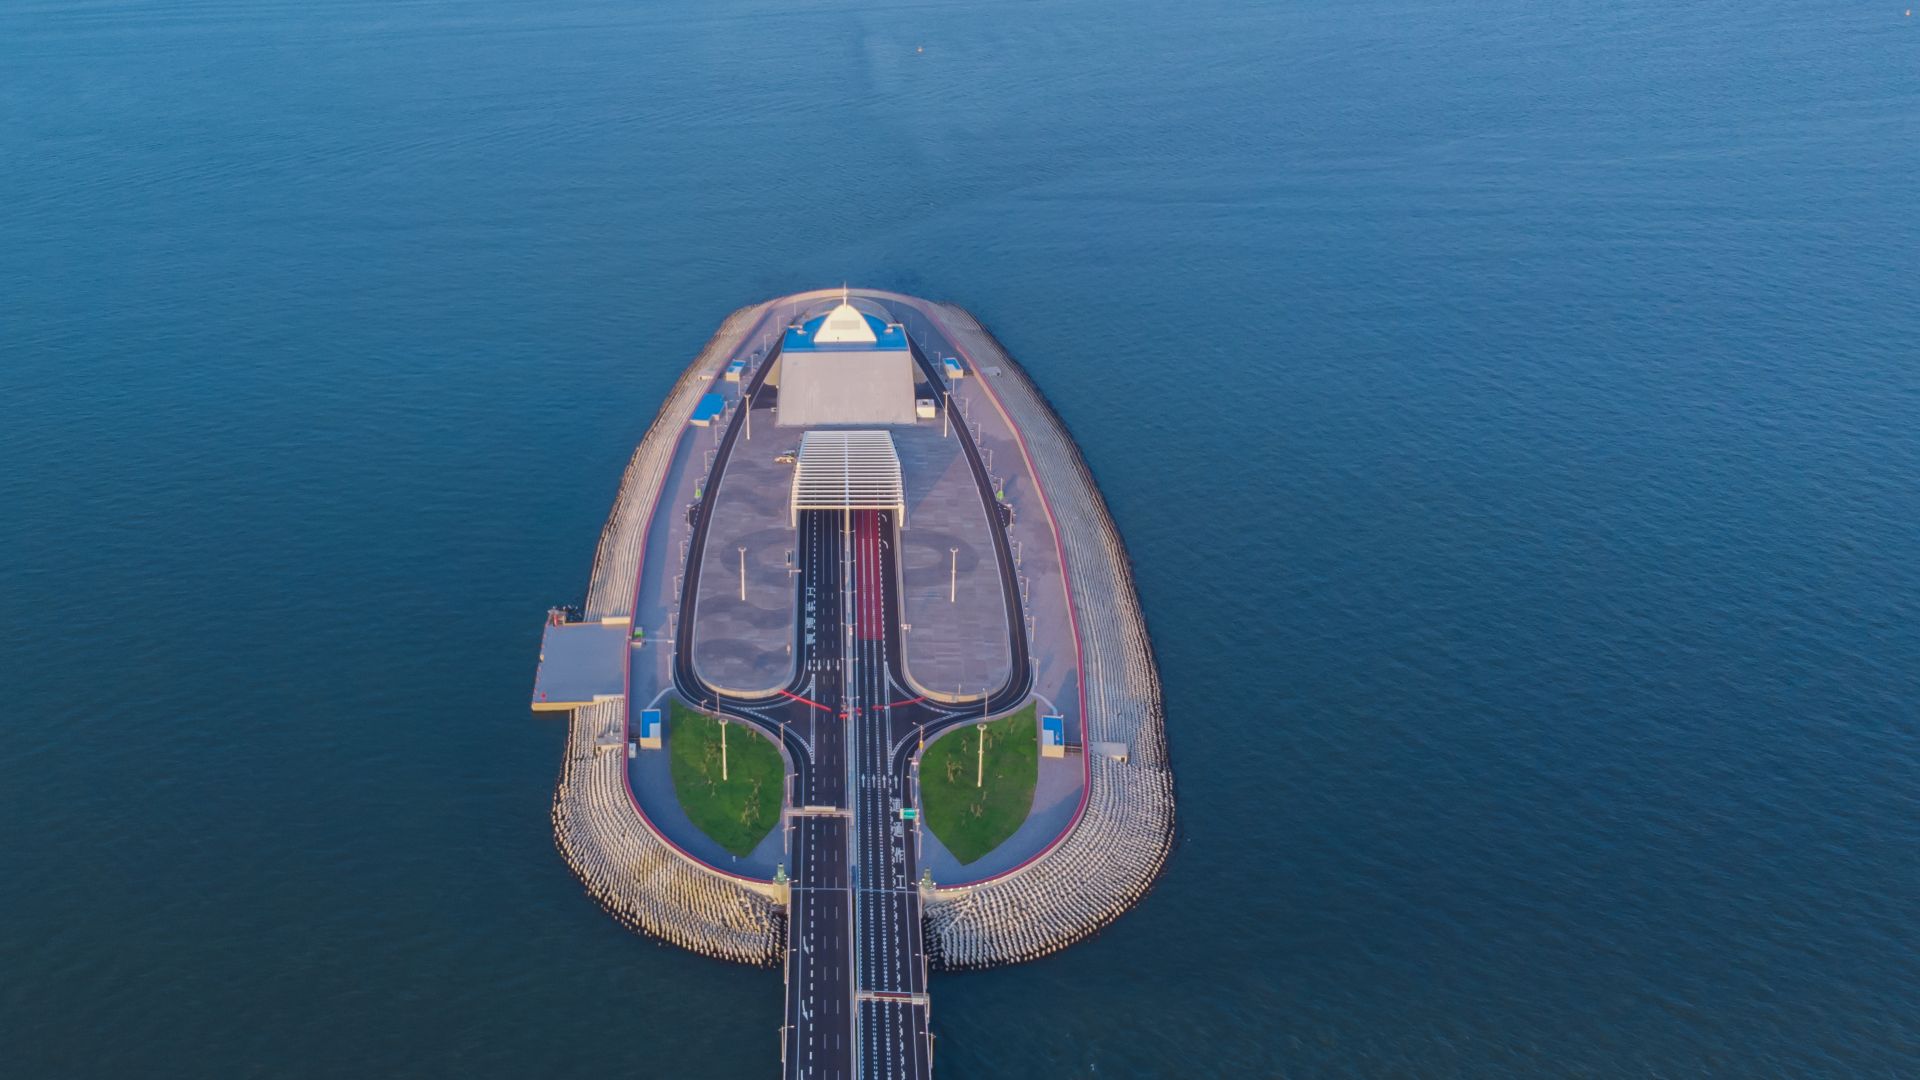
(980, 767)
(953, 576)
(743, 575)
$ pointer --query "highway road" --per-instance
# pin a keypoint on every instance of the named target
(818, 1036)
(890, 949)
(856, 962)
(856, 965)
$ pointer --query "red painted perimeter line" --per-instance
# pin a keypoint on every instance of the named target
(866, 540)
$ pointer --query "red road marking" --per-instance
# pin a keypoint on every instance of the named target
(808, 701)
(868, 605)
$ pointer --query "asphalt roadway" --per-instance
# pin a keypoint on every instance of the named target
(856, 964)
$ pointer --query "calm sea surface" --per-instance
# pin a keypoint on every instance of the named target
(1513, 411)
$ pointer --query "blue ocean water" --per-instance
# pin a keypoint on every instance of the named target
(1512, 411)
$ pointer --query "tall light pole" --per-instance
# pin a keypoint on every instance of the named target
(749, 404)
(946, 418)
(980, 767)
(723, 748)
(953, 576)
(743, 575)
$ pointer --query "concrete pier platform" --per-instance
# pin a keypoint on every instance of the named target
(579, 664)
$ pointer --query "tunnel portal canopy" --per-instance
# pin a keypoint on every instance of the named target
(847, 470)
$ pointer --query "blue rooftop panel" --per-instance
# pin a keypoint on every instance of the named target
(886, 337)
(710, 407)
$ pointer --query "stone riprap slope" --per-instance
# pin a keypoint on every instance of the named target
(633, 873)
(1111, 856)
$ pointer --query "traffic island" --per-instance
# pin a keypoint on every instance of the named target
(729, 779)
(976, 796)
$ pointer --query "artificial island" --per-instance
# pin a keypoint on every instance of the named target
(860, 685)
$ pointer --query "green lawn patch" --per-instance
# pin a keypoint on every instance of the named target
(969, 820)
(738, 811)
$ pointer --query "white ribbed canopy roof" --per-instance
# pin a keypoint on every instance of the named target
(847, 470)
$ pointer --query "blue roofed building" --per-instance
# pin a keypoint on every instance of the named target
(708, 409)
(1053, 736)
(845, 367)
(648, 733)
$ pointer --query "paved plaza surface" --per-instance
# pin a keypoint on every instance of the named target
(744, 646)
(958, 642)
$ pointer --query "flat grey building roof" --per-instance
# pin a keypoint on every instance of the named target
(827, 388)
